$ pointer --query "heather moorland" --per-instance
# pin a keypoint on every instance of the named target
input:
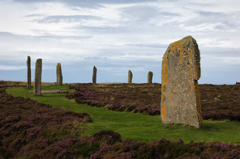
(113, 121)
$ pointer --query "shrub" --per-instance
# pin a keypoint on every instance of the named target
(122, 108)
(131, 108)
(108, 137)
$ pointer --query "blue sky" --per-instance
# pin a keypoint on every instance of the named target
(116, 36)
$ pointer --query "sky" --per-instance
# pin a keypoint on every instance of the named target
(116, 36)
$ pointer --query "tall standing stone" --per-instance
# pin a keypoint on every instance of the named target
(150, 76)
(59, 74)
(28, 72)
(180, 101)
(38, 77)
(94, 77)
(130, 75)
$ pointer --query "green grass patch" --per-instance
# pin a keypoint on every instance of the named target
(135, 125)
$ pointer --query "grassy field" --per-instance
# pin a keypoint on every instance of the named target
(135, 126)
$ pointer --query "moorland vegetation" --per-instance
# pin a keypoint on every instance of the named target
(81, 124)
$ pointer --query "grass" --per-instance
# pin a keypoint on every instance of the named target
(135, 126)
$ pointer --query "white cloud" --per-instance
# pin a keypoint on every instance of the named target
(116, 34)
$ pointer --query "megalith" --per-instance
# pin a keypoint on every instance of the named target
(59, 74)
(150, 76)
(28, 72)
(38, 77)
(180, 100)
(130, 75)
(94, 77)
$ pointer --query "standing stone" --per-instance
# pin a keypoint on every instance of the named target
(38, 77)
(180, 101)
(59, 74)
(150, 76)
(94, 77)
(28, 72)
(130, 75)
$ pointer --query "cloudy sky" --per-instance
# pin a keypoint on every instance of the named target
(116, 36)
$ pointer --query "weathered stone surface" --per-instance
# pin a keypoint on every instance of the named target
(180, 101)
(150, 76)
(94, 77)
(59, 74)
(130, 75)
(38, 77)
(51, 91)
(28, 72)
